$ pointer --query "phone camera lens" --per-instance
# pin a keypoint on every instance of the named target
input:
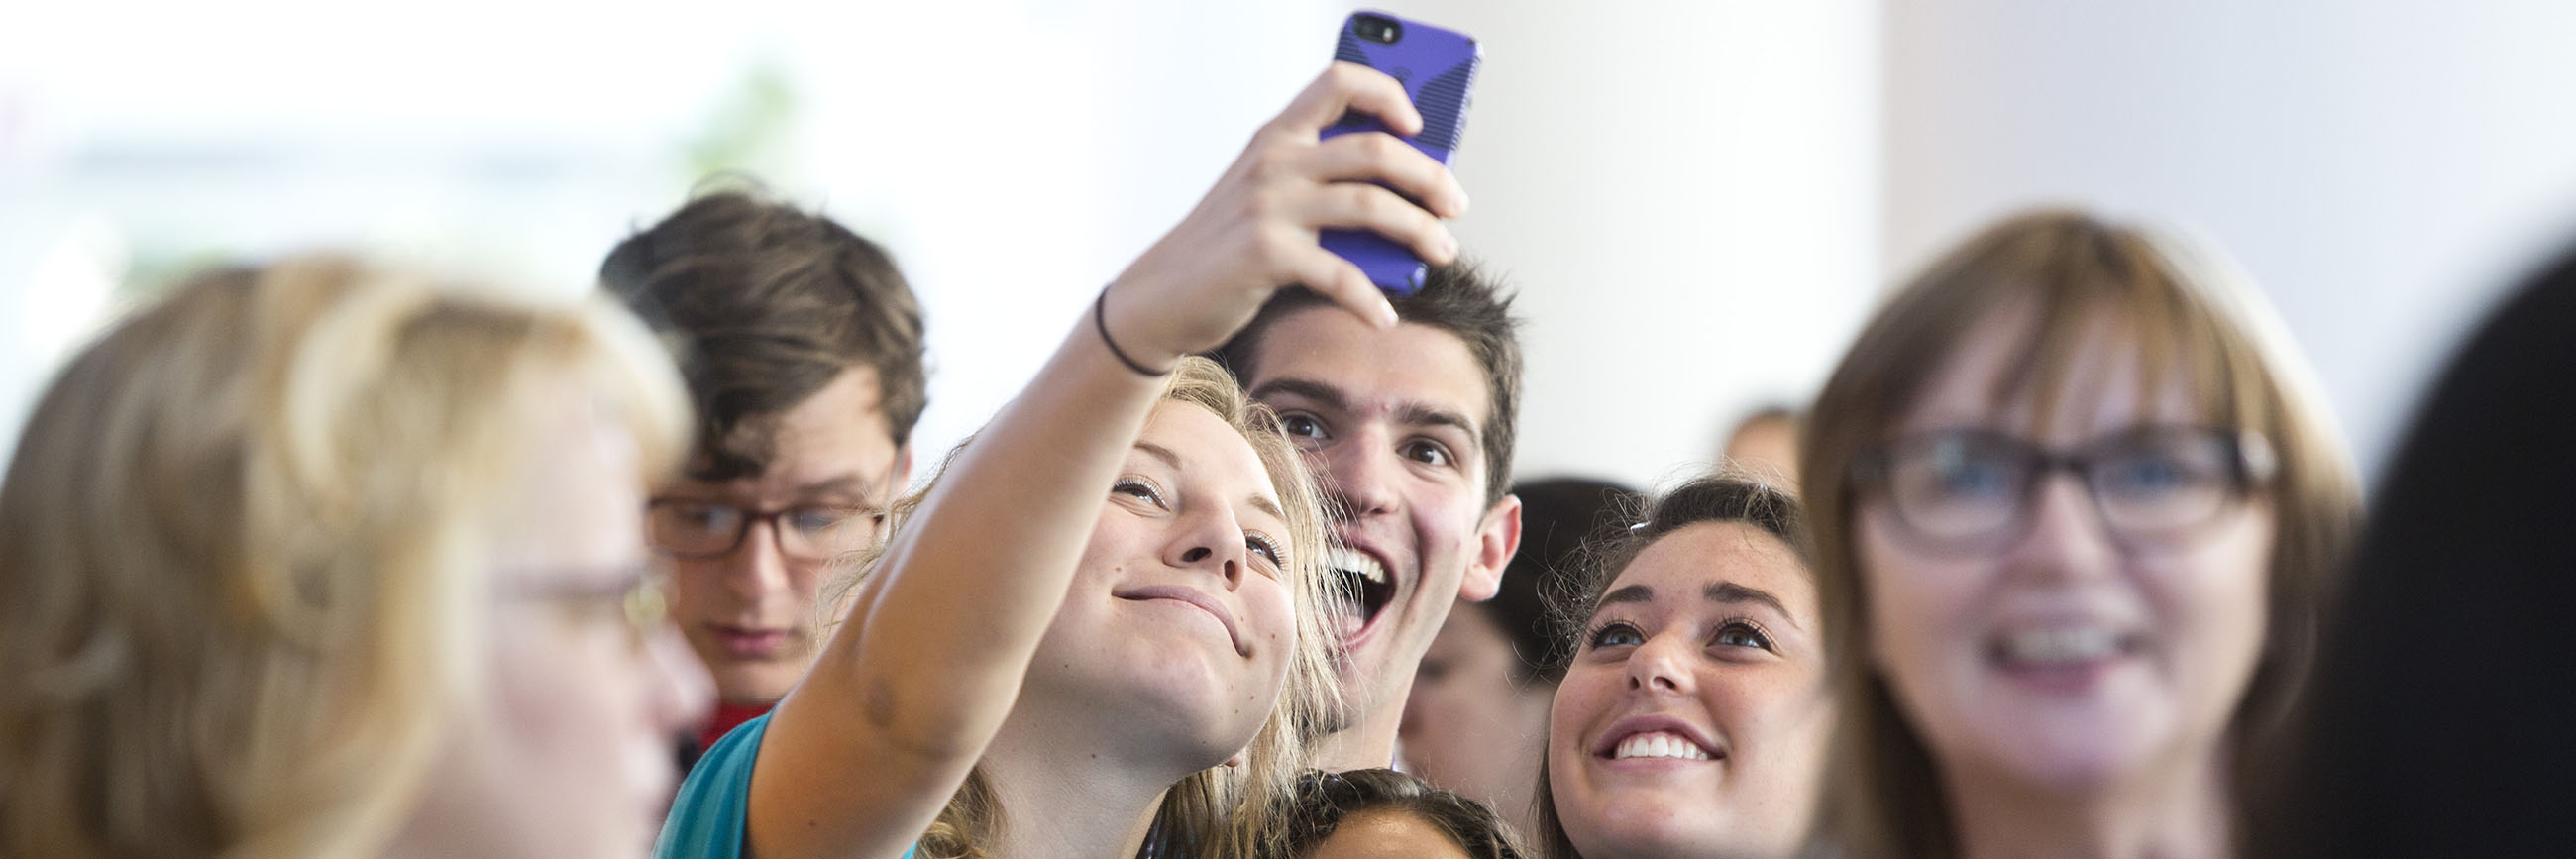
(1377, 29)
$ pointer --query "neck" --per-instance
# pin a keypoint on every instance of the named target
(1068, 796)
(1368, 741)
(2168, 812)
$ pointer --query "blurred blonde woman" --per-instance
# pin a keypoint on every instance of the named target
(318, 560)
(2076, 513)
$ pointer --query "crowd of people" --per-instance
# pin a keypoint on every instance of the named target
(321, 558)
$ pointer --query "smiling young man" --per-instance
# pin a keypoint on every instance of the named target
(802, 346)
(1410, 434)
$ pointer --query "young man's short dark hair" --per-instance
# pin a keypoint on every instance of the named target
(1456, 298)
(763, 305)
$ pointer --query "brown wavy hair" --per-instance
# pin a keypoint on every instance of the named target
(1459, 298)
(1326, 799)
(1723, 496)
(2190, 308)
(764, 304)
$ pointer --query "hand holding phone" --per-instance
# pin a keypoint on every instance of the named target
(1259, 228)
(1438, 70)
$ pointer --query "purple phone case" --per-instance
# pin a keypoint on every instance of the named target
(1437, 68)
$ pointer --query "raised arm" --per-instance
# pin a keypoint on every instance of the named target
(861, 757)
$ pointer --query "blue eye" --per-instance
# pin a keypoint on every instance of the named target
(1615, 634)
(815, 520)
(2146, 476)
(1742, 633)
(1976, 479)
(701, 517)
(1262, 546)
(1139, 489)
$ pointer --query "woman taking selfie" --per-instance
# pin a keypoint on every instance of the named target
(1111, 593)
(2075, 513)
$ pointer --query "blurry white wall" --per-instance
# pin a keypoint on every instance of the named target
(1682, 191)
(1697, 200)
(1686, 195)
(2381, 167)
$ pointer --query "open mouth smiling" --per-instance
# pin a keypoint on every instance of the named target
(1656, 738)
(1361, 590)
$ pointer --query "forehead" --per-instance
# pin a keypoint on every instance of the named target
(1210, 452)
(2104, 384)
(1679, 565)
(1413, 364)
(1382, 833)
(841, 429)
(578, 499)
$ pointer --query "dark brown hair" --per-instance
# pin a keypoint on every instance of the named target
(763, 305)
(1720, 497)
(1559, 518)
(2182, 306)
(1457, 298)
(1325, 799)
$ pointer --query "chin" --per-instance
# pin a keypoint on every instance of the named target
(1657, 833)
(2073, 758)
(1193, 702)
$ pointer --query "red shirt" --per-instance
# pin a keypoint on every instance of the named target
(726, 718)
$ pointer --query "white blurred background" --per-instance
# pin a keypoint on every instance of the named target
(1697, 200)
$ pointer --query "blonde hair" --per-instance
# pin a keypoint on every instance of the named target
(243, 546)
(1219, 811)
(2189, 307)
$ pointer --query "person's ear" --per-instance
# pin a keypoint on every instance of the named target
(902, 477)
(1498, 537)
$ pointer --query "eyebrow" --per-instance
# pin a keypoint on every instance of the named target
(1160, 452)
(1721, 592)
(1165, 454)
(1332, 398)
(1310, 389)
(849, 483)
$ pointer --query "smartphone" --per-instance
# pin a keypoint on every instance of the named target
(1438, 70)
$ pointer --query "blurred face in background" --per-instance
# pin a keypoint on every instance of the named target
(1767, 446)
(2109, 627)
(749, 555)
(1473, 725)
(566, 750)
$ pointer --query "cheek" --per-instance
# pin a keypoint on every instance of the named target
(1272, 615)
(2217, 599)
(557, 697)
(1910, 601)
(1444, 515)
(1579, 700)
(697, 587)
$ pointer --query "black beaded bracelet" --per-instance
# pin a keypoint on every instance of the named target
(1100, 321)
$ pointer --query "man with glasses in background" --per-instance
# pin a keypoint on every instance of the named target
(802, 347)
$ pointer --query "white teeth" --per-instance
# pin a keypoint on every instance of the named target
(2061, 645)
(1660, 744)
(1347, 560)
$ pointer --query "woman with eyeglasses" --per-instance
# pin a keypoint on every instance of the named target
(2075, 511)
(314, 559)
